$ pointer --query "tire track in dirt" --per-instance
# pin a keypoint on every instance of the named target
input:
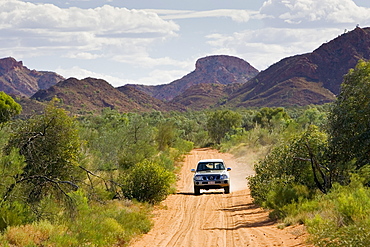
(214, 218)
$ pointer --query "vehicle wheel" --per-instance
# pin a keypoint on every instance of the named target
(227, 190)
(196, 190)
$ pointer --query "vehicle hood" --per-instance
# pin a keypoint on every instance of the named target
(210, 172)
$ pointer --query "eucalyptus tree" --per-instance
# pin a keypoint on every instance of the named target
(349, 123)
(50, 146)
(221, 122)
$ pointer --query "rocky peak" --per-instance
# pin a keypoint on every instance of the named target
(218, 69)
(222, 63)
(7, 64)
(17, 79)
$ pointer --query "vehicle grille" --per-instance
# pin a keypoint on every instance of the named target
(211, 177)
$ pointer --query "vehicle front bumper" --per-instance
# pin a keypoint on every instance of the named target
(216, 184)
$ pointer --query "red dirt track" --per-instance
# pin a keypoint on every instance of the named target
(214, 218)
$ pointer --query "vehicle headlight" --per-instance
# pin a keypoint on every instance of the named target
(223, 176)
(198, 178)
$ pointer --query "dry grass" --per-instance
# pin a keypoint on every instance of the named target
(28, 235)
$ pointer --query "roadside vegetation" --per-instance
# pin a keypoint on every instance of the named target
(320, 175)
(87, 181)
(92, 180)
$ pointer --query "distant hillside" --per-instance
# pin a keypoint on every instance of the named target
(204, 95)
(312, 78)
(93, 95)
(149, 102)
(16, 79)
(88, 95)
(218, 69)
(30, 107)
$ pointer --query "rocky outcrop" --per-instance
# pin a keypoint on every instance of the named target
(218, 69)
(312, 78)
(16, 79)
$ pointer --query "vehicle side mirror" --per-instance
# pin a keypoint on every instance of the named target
(192, 170)
(228, 169)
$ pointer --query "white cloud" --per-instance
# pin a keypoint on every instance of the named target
(313, 12)
(157, 77)
(145, 61)
(24, 15)
(236, 15)
(290, 27)
(104, 30)
(82, 55)
(80, 74)
(263, 47)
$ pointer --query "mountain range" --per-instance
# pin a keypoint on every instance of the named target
(311, 78)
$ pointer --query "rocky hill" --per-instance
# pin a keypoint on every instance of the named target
(205, 95)
(16, 79)
(92, 95)
(218, 69)
(149, 102)
(87, 95)
(312, 78)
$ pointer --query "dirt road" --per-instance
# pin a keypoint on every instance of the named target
(215, 218)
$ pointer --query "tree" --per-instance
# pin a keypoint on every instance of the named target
(220, 122)
(300, 161)
(165, 135)
(138, 142)
(50, 145)
(270, 117)
(349, 123)
(8, 107)
(312, 116)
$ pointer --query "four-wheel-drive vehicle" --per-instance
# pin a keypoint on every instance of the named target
(211, 174)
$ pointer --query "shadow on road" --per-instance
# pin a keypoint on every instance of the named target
(248, 211)
(238, 225)
(241, 207)
(185, 193)
(202, 193)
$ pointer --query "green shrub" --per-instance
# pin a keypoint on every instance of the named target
(183, 146)
(342, 218)
(324, 233)
(14, 213)
(113, 223)
(283, 195)
(300, 211)
(288, 163)
(147, 182)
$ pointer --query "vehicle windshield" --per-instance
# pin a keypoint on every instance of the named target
(206, 166)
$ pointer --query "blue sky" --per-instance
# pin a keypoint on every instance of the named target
(155, 42)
